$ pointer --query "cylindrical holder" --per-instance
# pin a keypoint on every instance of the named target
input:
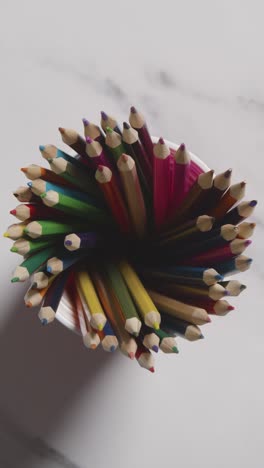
(65, 313)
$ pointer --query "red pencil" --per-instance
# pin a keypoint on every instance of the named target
(161, 187)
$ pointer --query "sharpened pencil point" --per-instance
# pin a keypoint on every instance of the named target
(208, 320)
(68, 242)
(85, 122)
(26, 231)
(28, 304)
(219, 277)
(44, 322)
(133, 110)
(156, 326)
(43, 195)
(93, 346)
(109, 130)
(100, 168)
(230, 307)
(5, 234)
(126, 125)
(29, 184)
(88, 139)
(41, 148)
(201, 336)
(14, 249)
(49, 269)
(112, 349)
(131, 355)
(12, 212)
(175, 349)
(161, 141)
(242, 287)
(124, 157)
(182, 147)
(61, 130)
(248, 242)
(104, 115)
(253, 203)
(249, 260)
(155, 348)
(15, 280)
(100, 327)
(228, 173)
(151, 369)
(23, 169)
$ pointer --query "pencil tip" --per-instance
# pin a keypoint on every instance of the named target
(85, 122)
(6, 234)
(104, 115)
(131, 355)
(161, 141)
(126, 125)
(112, 349)
(230, 307)
(253, 203)
(201, 336)
(26, 231)
(155, 348)
(242, 287)
(133, 110)
(175, 349)
(100, 326)
(43, 195)
(242, 184)
(124, 157)
(49, 269)
(156, 326)
(219, 277)
(41, 148)
(93, 346)
(88, 139)
(151, 369)
(28, 304)
(15, 279)
(61, 130)
(228, 173)
(14, 249)
(12, 212)
(208, 320)
(100, 168)
(248, 242)
(109, 130)
(23, 169)
(68, 242)
(249, 260)
(29, 184)
(44, 322)
(182, 147)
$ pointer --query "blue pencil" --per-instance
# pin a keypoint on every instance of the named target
(52, 299)
(235, 265)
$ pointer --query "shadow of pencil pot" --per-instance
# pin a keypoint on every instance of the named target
(132, 241)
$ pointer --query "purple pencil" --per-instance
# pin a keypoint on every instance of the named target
(108, 121)
(96, 154)
(136, 150)
(82, 240)
(137, 121)
(93, 131)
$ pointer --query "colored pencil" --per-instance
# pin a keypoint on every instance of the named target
(96, 154)
(234, 194)
(74, 140)
(161, 188)
(31, 211)
(194, 315)
(25, 195)
(220, 185)
(82, 240)
(108, 121)
(76, 208)
(114, 143)
(108, 338)
(136, 151)
(179, 179)
(46, 228)
(34, 297)
(25, 247)
(234, 265)
(74, 175)
(34, 171)
(120, 288)
(213, 256)
(15, 231)
(55, 265)
(52, 299)
(190, 230)
(167, 342)
(145, 358)
(183, 291)
(93, 131)
(40, 279)
(113, 198)
(219, 307)
(242, 211)
(39, 186)
(128, 345)
(193, 275)
(90, 338)
(245, 230)
(51, 151)
(134, 197)
(181, 327)
(137, 121)
(233, 287)
(194, 197)
(31, 264)
(149, 338)
(146, 306)
(84, 282)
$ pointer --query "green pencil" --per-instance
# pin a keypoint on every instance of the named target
(31, 264)
(114, 142)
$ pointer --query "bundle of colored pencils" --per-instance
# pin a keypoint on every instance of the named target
(137, 235)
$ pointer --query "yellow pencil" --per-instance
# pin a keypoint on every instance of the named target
(146, 307)
(84, 282)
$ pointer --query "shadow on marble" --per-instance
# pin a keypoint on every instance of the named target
(42, 372)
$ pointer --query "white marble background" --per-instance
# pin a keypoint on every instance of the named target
(197, 71)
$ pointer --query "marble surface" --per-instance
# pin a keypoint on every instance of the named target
(196, 70)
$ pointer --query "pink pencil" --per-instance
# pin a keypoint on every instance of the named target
(180, 178)
(213, 256)
(137, 121)
(161, 177)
